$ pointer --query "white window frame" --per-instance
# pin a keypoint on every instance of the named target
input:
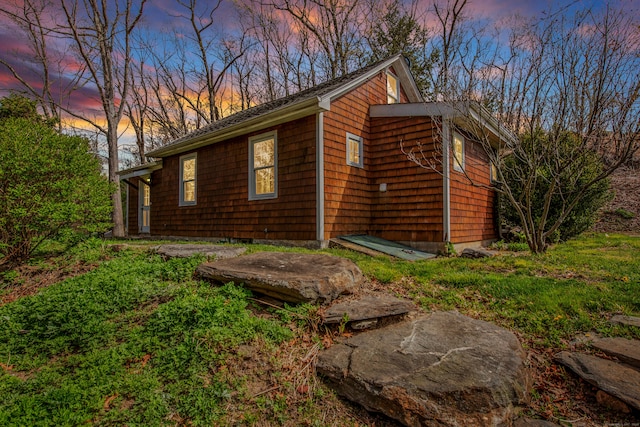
(393, 98)
(183, 159)
(252, 170)
(458, 164)
(359, 141)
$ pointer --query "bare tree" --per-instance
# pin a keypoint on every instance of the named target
(137, 109)
(32, 17)
(335, 26)
(101, 33)
(568, 90)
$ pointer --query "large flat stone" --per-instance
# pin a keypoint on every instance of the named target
(626, 320)
(441, 369)
(289, 277)
(366, 308)
(209, 251)
(614, 378)
(627, 351)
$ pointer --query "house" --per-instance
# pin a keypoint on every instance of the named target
(320, 164)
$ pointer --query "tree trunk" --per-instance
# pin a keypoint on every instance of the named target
(116, 196)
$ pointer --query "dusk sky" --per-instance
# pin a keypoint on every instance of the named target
(160, 16)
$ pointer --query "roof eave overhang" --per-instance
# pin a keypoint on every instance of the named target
(278, 116)
(464, 115)
(141, 170)
(401, 68)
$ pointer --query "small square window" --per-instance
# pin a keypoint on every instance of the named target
(263, 173)
(493, 172)
(354, 150)
(393, 89)
(188, 175)
(458, 152)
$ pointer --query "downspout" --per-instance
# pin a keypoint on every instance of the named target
(320, 178)
(446, 188)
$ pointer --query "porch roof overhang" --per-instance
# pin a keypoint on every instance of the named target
(468, 115)
(141, 170)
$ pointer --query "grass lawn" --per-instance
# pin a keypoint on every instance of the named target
(137, 341)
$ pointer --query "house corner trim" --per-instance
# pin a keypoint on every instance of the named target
(446, 187)
(320, 177)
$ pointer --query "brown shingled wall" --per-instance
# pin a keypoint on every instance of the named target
(223, 207)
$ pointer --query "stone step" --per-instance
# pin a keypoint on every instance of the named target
(616, 379)
(627, 351)
(626, 320)
(364, 312)
(438, 369)
(288, 276)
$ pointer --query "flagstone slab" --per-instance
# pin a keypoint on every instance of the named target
(441, 369)
(616, 379)
(287, 276)
(209, 251)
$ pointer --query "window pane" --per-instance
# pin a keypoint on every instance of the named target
(189, 170)
(263, 153)
(146, 192)
(145, 218)
(354, 151)
(458, 152)
(392, 89)
(189, 192)
(265, 182)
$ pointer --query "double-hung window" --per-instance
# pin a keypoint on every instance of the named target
(188, 180)
(354, 150)
(393, 89)
(458, 152)
(263, 171)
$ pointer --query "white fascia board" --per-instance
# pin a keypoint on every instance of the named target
(402, 72)
(272, 118)
(141, 170)
(421, 109)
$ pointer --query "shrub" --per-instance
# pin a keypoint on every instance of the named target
(569, 180)
(49, 183)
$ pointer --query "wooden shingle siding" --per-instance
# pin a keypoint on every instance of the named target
(132, 207)
(347, 188)
(223, 208)
(411, 208)
(472, 207)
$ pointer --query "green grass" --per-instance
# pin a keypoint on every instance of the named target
(138, 341)
(549, 298)
(134, 342)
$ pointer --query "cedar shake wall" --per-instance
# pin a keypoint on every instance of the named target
(411, 208)
(132, 207)
(223, 208)
(472, 208)
(348, 191)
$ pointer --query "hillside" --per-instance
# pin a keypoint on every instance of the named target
(622, 214)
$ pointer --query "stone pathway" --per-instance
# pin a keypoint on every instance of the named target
(618, 377)
(210, 251)
(441, 368)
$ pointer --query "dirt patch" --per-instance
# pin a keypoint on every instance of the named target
(29, 279)
(622, 214)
